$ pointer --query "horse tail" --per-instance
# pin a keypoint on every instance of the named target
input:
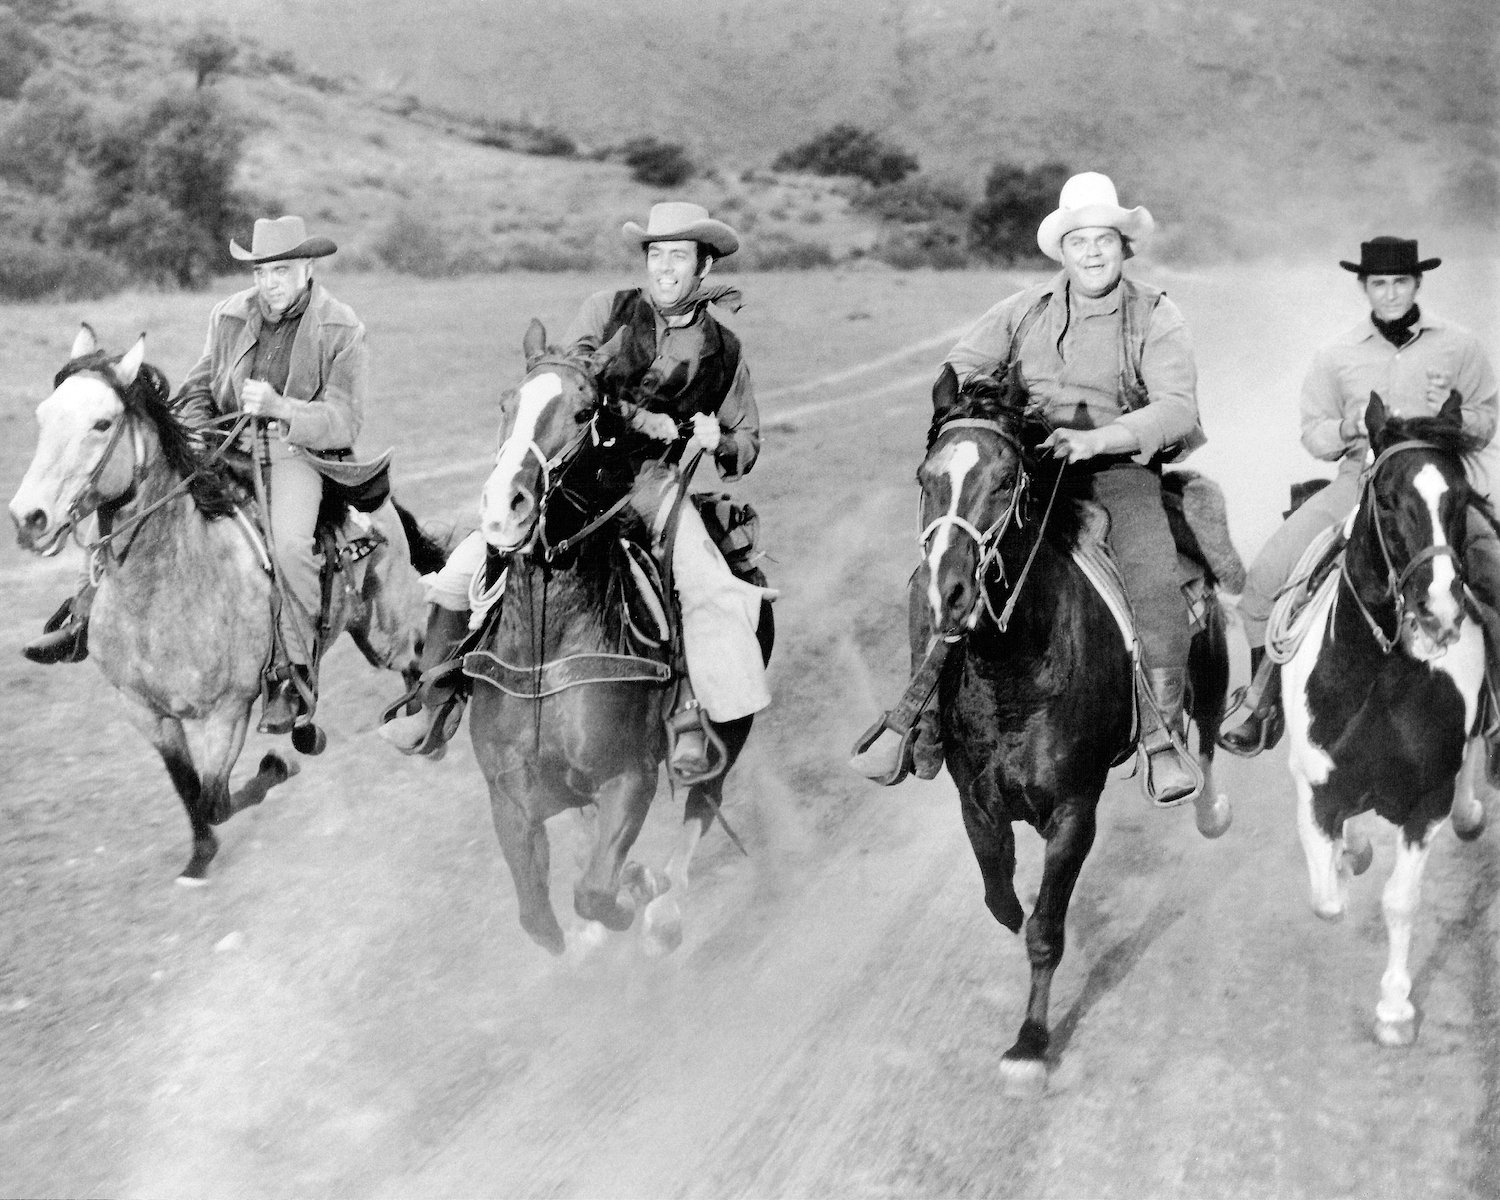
(427, 553)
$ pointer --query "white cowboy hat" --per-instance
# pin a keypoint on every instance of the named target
(1089, 200)
(285, 237)
(679, 221)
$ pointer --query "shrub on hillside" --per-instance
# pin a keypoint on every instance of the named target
(914, 201)
(411, 244)
(36, 271)
(779, 252)
(939, 245)
(20, 53)
(44, 133)
(657, 163)
(206, 54)
(849, 150)
(525, 139)
(1002, 226)
(162, 196)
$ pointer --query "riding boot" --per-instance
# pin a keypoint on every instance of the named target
(1266, 722)
(690, 757)
(292, 693)
(1169, 776)
(65, 636)
(882, 759)
(428, 730)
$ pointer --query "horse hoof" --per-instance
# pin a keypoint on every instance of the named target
(1214, 816)
(662, 926)
(309, 739)
(1358, 854)
(1328, 912)
(1396, 1034)
(1023, 1078)
(279, 768)
(190, 881)
(1468, 820)
(584, 940)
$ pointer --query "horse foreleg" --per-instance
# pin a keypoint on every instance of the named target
(523, 841)
(662, 922)
(1395, 1018)
(223, 739)
(1024, 1066)
(166, 734)
(1326, 872)
(1469, 791)
(599, 894)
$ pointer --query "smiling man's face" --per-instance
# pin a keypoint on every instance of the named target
(1094, 258)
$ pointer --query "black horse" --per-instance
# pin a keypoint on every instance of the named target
(567, 712)
(1383, 697)
(1036, 696)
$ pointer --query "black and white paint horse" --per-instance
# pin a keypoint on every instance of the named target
(1383, 694)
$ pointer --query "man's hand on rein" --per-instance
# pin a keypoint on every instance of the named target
(706, 433)
(260, 399)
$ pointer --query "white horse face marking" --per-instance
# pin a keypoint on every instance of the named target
(954, 461)
(508, 507)
(74, 425)
(1430, 637)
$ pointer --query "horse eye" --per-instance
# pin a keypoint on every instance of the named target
(102, 424)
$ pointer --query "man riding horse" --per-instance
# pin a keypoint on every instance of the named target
(285, 351)
(702, 403)
(1414, 360)
(1109, 365)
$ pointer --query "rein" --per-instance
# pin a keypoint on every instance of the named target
(1395, 581)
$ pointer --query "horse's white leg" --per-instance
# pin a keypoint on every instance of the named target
(1323, 854)
(662, 922)
(1469, 792)
(1395, 1018)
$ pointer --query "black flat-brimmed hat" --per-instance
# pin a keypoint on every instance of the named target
(285, 237)
(1390, 256)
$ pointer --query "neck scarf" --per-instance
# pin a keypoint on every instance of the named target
(699, 297)
(1399, 331)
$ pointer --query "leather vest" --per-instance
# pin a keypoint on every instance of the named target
(717, 364)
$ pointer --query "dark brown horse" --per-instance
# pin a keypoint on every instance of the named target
(1036, 694)
(564, 714)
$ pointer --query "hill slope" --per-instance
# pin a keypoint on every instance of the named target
(1246, 125)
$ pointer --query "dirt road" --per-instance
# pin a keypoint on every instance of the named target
(350, 1009)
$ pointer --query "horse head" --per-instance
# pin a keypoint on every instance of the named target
(544, 422)
(1410, 528)
(973, 482)
(78, 464)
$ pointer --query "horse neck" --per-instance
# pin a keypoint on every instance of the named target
(1050, 583)
(553, 610)
(161, 535)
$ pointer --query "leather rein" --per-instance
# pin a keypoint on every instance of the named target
(1395, 580)
(988, 541)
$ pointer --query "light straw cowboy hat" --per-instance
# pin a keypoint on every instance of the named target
(1088, 201)
(285, 237)
(679, 221)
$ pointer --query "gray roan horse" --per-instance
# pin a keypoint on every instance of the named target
(181, 624)
(569, 717)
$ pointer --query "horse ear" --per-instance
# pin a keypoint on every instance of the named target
(85, 343)
(945, 390)
(1453, 409)
(129, 366)
(606, 354)
(534, 343)
(1375, 415)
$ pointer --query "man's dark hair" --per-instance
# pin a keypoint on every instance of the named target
(1364, 276)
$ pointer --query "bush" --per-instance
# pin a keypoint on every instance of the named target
(412, 245)
(939, 245)
(1002, 226)
(20, 53)
(525, 139)
(46, 131)
(206, 54)
(36, 271)
(779, 252)
(657, 163)
(914, 201)
(849, 150)
(163, 197)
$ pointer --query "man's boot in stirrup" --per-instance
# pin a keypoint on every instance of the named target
(1265, 723)
(428, 730)
(1169, 776)
(65, 636)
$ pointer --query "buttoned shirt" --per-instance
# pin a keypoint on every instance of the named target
(1359, 361)
(1072, 362)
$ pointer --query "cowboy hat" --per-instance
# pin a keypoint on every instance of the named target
(1390, 256)
(1089, 200)
(679, 221)
(285, 237)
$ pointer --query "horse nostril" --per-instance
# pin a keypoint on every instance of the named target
(34, 522)
(520, 503)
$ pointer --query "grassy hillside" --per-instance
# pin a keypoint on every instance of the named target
(1247, 125)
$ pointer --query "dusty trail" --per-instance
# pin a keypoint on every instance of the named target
(352, 1010)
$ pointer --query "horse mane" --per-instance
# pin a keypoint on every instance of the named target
(1446, 436)
(1003, 399)
(211, 485)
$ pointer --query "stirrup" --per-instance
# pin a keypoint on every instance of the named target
(692, 716)
(1272, 725)
(904, 754)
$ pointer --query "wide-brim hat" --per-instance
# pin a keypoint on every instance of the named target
(284, 237)
(1390, 256)
(679, 221)
(1087, 201)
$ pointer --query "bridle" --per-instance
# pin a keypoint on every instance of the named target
(1395, 580)
(987, 542)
